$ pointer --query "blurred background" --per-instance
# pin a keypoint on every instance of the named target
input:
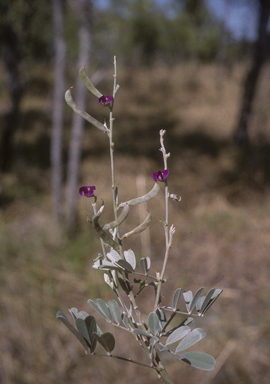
(198, 69)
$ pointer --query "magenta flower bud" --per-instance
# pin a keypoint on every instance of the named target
(105, 100)
(87, 191)
(160, 175)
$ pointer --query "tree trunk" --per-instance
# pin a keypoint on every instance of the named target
(58, 107)
(78, 123)
(261, 49)
(11, 59)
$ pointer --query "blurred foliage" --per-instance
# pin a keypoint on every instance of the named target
(29, 24)
(137, 32)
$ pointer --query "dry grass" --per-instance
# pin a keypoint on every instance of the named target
(222, 239)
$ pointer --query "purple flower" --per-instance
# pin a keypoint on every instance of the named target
(104, 100)
(87, 191)
(160, 175)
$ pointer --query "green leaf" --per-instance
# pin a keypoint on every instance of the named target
(188, 296)
(87, 327)
(124, 264)
(103, 307)
(154, 324)
(113, 256)
(178, 334)
(195, 299)
(91, 326)
(187, 321)
(162, 318)
(82, 315)
(74, 313)
(115, 311)
(153, 340)
(87, 82)
(144, 264)
(62, 317)
(83, 114)
(211, 297)
(199, 303)
(176, 298)
(125, 320)
(130, 258)
(183, 323)
(107, 341)
(192, 338)
(162, 348)
(199, 360)
(107, 266)
(139, 331)
(100, 308)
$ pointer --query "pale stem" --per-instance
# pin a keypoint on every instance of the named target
(166, 225)
(111, 157)
(101, 241)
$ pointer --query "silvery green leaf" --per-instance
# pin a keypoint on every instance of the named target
(91, 326)
(88, 83)
(176, 298)
(178, 334)
(192, 338)
(162, 347)
(113, 256)
(153, 340)
(195, 299)
(81, 326)
(107, 341)
(61, 316)
(188, 296)
(199, 303)
(125, 320)
(103, 307)
(154, 324)
(82, 315)
(210, 298)
(183, 323)
(198, 360)
(108, 281)
(108, 266)
(115, 311)
(83, 114)
(144, 264)
(187, 321)
(162, 318)
(74, 313)
(124, 285)
(125, 265)
(87, 327)
(139, 331)
(98, 309)
(130, 258)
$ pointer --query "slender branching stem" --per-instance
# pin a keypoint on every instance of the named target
(166, 224)
(125, 359)
(112, 159)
